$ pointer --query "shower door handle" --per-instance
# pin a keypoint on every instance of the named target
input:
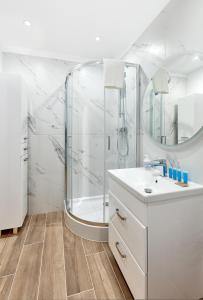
(109, 142)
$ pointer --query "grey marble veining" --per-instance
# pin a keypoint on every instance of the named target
(46, 172)
(45, 90)
(59, 148)
(31, 123)
(44, 79)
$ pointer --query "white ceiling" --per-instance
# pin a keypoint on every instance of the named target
(67, 28)
(184, 64)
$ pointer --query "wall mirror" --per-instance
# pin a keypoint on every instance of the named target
(173, 101)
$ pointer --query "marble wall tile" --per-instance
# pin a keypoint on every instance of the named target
(45, 80)
(46, 173)
(49, 117)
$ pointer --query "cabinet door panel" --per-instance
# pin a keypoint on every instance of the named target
(135, 277)
(133, 232)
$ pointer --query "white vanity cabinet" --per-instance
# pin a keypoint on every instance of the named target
(157, 239)
(13, 151)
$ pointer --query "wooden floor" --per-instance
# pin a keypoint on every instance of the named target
(46, 261)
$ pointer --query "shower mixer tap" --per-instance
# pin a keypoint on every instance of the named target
(123, 130)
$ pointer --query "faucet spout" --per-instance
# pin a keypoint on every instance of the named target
(160, 163)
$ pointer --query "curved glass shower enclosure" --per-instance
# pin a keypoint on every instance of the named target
(100, 135)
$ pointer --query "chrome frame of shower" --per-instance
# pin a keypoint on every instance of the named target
(138, 120)
(66, 141)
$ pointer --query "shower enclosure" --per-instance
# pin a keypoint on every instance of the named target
(101, 130)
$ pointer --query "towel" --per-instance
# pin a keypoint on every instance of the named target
(113, 73)
(160, 82)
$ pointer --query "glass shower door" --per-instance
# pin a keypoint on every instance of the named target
(100, 135)
(120, 127)
(86, 143)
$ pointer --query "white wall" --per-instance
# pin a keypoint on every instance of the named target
(195, 82)
(172, 33)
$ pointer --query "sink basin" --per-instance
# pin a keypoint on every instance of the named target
(148, 187)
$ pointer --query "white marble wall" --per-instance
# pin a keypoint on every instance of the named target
(45, 92)
(172, 33)
(45, 86)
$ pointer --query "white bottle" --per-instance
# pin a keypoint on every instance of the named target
(147, 162)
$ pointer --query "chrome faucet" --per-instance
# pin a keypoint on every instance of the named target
(160, 163)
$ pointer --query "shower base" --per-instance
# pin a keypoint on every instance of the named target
(91, 209)
(86, 218)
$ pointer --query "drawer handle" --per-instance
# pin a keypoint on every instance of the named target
(119, 215)
(119, 251)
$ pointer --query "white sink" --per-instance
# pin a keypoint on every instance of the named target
(140, 180)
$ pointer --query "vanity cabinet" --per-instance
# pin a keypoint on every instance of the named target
(157, 242)
(13, 152)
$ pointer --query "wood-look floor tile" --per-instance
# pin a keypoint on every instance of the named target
(5, 286)
(36, 229)
(87, 295)
(119, 275)
(77, 272)
(2, 244)
(26, 280)
(9, 255)
(104, 280)
(54, 218)
(53, 279)
(92, 247)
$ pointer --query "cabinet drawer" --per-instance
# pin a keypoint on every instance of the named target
(135, 277)
(137, 207)
(132, 231)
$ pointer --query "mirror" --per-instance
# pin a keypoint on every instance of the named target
(173, 101)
